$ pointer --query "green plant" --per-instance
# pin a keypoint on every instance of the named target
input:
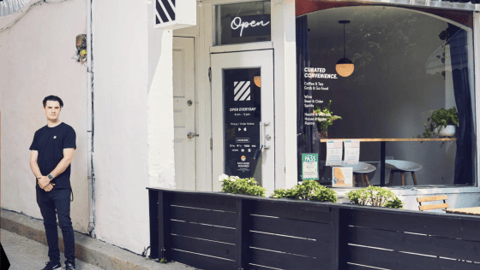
(439, 118)
(375, 196)
(325, 116)
(237, 185)
(163, 260)
(395, 203)
(307, 190)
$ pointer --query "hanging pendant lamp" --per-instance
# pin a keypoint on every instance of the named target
(344, 66)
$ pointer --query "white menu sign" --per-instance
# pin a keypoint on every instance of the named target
(334, 152)
(352, 152)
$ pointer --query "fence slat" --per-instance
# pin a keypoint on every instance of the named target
(154, 219)
(164, 241)
(286, 261)
(224, 203)
(297, 211)
(203, 262)
(441, 225)
(202, 231)
(431, 245)
(226, 219)
(289, 245)
(200, 246)
(400, 261)
(318, 231)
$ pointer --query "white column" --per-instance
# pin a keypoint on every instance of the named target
(161, 155)
(283, 37)
(476, 45)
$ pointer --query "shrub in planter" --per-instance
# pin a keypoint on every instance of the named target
(307, 190)
(237, 185)
(375, 196)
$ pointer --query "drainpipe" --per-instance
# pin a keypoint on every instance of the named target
(90, 124)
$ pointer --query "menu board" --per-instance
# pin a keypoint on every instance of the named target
(242, 116)
(312, 85)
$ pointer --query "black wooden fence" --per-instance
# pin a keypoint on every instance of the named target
(224, 231)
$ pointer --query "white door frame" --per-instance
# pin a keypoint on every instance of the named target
(262, 59)
(283, 44)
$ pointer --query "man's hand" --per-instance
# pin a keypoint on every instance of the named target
(43, 182)
(49, 187)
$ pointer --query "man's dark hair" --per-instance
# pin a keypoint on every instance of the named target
(52, 98)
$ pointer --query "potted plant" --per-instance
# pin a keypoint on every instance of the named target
(375, 196)
(441, 123)
(309, 190)
(324, 118)
(237, 185)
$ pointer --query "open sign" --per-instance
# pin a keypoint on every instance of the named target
(249, 26)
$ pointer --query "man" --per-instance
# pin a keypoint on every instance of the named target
(51, 154)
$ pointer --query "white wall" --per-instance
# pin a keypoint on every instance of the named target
(126, 52)
(35, 62)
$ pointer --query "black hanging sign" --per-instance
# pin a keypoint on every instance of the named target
(250, 26)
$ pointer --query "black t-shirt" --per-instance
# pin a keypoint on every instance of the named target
(50, 142)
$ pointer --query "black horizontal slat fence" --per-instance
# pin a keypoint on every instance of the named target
(225, 231)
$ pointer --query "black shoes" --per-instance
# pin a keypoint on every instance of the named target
(53, 266)
(69, 266)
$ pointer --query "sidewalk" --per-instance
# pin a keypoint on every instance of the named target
(23, 239)
(24, 253)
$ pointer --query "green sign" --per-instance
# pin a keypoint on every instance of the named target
(310, 166)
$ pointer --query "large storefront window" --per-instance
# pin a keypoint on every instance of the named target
(406, 64)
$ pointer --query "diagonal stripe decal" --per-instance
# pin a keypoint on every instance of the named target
(238, 86)
(161, 12)
(169, 9)
(246, 96)
(241, 91)
(165, 11)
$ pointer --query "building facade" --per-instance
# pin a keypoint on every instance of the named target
(164, 102)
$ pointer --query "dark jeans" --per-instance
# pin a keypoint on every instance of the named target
(53, 203)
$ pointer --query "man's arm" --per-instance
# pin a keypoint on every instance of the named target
(36, 169)
(34, 164)
(60, 168)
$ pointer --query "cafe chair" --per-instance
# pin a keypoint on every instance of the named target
(402, 166)
(443, 205)
(362, 169)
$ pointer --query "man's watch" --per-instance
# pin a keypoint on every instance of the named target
(50, 176)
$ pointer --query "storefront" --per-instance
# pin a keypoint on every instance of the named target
(265, 71)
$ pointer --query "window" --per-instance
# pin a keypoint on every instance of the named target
(406, 64)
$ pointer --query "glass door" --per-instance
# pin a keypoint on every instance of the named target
(242, 116)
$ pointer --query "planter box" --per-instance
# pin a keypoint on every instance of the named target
(225, 231)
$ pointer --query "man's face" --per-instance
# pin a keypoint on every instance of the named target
(52, 110)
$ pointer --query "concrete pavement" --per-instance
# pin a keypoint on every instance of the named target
(23, 239)
(24, 253)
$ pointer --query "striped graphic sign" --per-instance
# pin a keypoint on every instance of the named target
(165, 11)
(241, 91)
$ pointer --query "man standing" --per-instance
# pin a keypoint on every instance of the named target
(51, 154)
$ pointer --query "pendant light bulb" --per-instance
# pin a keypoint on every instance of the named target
(345, 66)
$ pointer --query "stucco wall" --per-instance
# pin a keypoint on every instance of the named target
(122, 34)
(35, 61)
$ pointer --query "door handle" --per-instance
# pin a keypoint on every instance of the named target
(264, 136)
(191, 135)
